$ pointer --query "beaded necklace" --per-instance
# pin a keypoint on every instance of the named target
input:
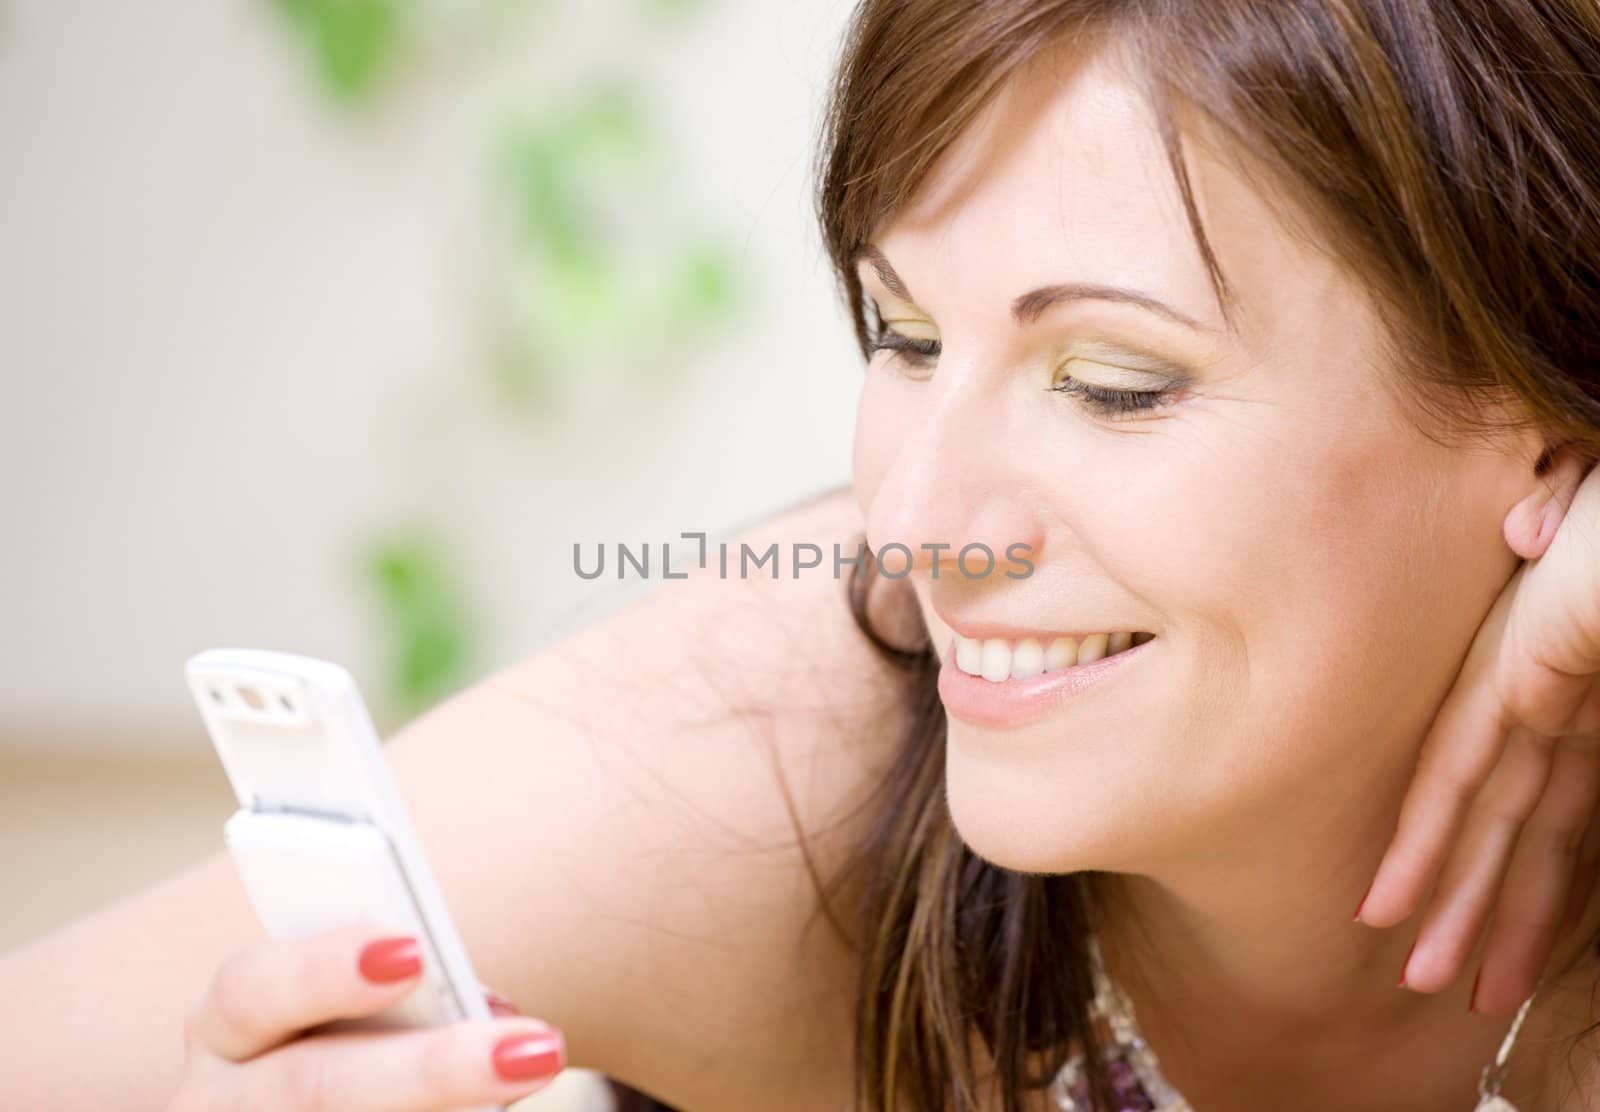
(1136, 1076)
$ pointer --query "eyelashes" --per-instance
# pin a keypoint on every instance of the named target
(1105, 401)
(919, 353)
(1112, 402)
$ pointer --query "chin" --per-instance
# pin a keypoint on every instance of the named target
(1014, 816)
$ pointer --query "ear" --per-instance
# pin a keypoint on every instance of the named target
(1531, 524)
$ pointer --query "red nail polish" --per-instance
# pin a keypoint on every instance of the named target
(1472, 1000)
(499, 1005)
(1406, 963)
(1356, 918)
(530, 1056)
(391, 959)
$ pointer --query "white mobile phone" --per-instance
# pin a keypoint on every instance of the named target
(321, 838)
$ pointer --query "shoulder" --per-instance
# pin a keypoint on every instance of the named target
(615, 824)
(771, 653)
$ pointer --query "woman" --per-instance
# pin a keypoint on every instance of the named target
(1318, 296)
(1256, 343)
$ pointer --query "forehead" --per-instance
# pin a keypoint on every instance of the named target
(1064, 177)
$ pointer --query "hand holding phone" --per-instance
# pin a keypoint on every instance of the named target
(337, 876)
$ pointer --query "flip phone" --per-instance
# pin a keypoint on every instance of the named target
(321, 838)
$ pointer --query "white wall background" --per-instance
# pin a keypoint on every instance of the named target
(223, 307)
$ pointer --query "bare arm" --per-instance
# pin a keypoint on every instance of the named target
(611, 826)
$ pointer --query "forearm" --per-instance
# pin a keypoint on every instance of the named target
(94, 1012)
(613, 823)
(634, 833)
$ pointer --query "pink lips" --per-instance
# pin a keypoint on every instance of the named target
(1012, 703)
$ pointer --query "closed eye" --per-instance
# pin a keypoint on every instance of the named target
(1112, 402)
(1105, 401)
(919, 353)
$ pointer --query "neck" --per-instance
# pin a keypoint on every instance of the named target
(1245, 963)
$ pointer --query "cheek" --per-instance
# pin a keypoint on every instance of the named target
(1322, 578)
(883, 423)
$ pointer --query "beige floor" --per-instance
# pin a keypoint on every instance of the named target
(78, 833)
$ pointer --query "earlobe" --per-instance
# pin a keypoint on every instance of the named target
(1531, 524)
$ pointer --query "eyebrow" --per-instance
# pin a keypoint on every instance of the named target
(1030, 306)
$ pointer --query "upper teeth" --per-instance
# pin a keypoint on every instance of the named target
(996, 659)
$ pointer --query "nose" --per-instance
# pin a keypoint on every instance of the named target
(954, 497)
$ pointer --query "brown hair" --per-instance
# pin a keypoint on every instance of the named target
(1446, 150)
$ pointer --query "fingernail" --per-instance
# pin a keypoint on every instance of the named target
(1356, 918)
(529, 1056)
(391, 959)
(1406, 963)
(499, 1005)
(1472, 1000)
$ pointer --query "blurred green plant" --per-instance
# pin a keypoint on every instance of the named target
(353, 43)
(598, 274)
(427, 621)
(673, 9)
(595, 271)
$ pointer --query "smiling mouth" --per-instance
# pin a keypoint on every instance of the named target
(998, 660)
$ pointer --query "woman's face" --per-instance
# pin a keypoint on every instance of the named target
(1312, 566)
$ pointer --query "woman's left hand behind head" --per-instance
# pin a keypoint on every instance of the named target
(1504, 808)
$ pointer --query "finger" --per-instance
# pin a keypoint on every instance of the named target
(1585, 874)
(1583, 883)
(1542, 696)
(1539, 882)
(1464, 743)
(454, 1065)
(499, 1005)
(268, 993)
(1586, 719)
(1477, 864)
